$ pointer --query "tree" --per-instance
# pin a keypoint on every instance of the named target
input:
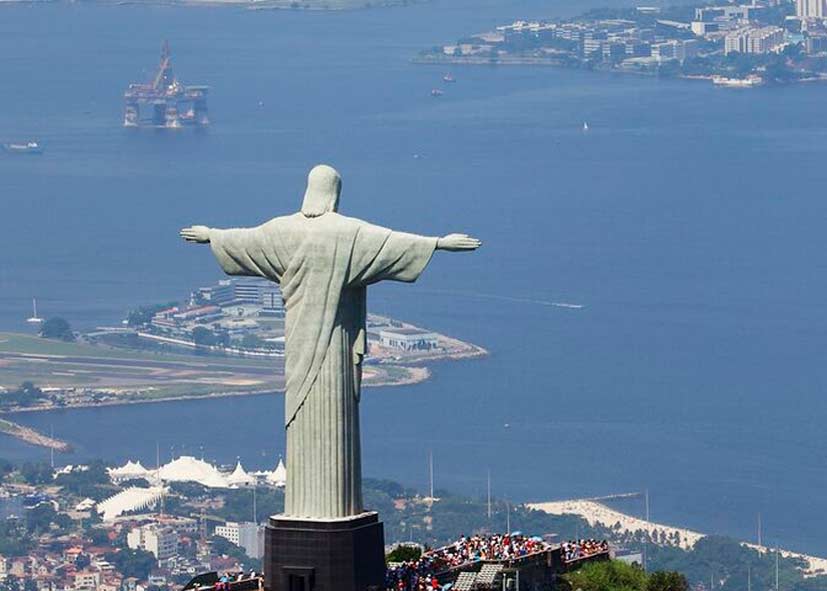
(39, 518)
(389, 487)
(201, 335)
(36, 473)
(224, 547)
(6, 468)
(251, 341)
(404, 553)
(142, 315)
(57, 328)
(98, 536)
(11, 583)
(14, 540)
(238, 504)
(26, 395)
(667, 581)
(607, 576)
(132, 563)
(189, 490)
(135, 482)
(92, 482)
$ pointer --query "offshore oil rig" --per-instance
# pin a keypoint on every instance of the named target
(165, 102)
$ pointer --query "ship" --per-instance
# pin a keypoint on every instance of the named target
(27, 148)
(448, 78)
(165, 102)
(436, 93)
(748, 82)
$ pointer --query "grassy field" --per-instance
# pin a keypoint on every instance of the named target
(84, 374)
(33, 345)
(135, 373)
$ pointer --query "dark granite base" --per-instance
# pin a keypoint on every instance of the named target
(342, 555)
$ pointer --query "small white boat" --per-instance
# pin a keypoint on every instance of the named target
(749, 82)
(27, 148)
(585, 126)
(35, 319)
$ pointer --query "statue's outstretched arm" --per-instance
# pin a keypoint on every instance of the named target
(197, 234)
(457, 243)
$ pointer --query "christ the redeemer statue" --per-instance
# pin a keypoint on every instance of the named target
(323, 262)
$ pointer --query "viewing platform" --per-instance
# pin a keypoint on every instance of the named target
(476, 563)
(486, 563)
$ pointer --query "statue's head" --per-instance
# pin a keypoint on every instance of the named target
(324, 184)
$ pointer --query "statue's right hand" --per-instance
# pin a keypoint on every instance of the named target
(199, 234)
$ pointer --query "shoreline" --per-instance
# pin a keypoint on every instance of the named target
(598, 513)
(413, 375)
(550, 62)
(416, 375)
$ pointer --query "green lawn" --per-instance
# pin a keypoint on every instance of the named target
(22, 343)
(144, 383)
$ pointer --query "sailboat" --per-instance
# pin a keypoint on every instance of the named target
(585, 127)
(35, 319)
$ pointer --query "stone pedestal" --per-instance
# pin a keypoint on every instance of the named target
(335, 555)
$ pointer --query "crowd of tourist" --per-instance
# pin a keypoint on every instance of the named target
(408, 578)
(237, 581)
(575, 550)
(421, 575)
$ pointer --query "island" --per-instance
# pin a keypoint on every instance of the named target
(731, 45)
(227, 339)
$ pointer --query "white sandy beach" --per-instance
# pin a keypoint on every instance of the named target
(597, 513)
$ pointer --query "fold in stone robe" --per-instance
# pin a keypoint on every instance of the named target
(323, 265)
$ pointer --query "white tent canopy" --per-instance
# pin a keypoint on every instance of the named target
(240, 477)
(128, 471)
(189, 469)
(278, 477)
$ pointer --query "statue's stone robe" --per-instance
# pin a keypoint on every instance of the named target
(323, 265)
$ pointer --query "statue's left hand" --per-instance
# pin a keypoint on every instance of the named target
(199, 234)
(457, 243)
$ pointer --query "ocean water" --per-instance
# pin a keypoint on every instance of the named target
(688, 224)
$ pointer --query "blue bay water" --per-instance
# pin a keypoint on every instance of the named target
(688, 224)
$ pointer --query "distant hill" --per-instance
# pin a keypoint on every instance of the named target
(321, 5)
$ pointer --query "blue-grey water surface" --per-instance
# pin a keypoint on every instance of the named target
(688, 223)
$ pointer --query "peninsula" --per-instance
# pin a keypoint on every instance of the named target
(227, 340)
(599, 515)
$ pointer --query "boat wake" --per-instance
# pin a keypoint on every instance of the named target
(513, 299)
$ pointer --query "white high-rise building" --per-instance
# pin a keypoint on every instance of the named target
(754, 40)
(246, 535)
(162, 542)
(811, 8)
